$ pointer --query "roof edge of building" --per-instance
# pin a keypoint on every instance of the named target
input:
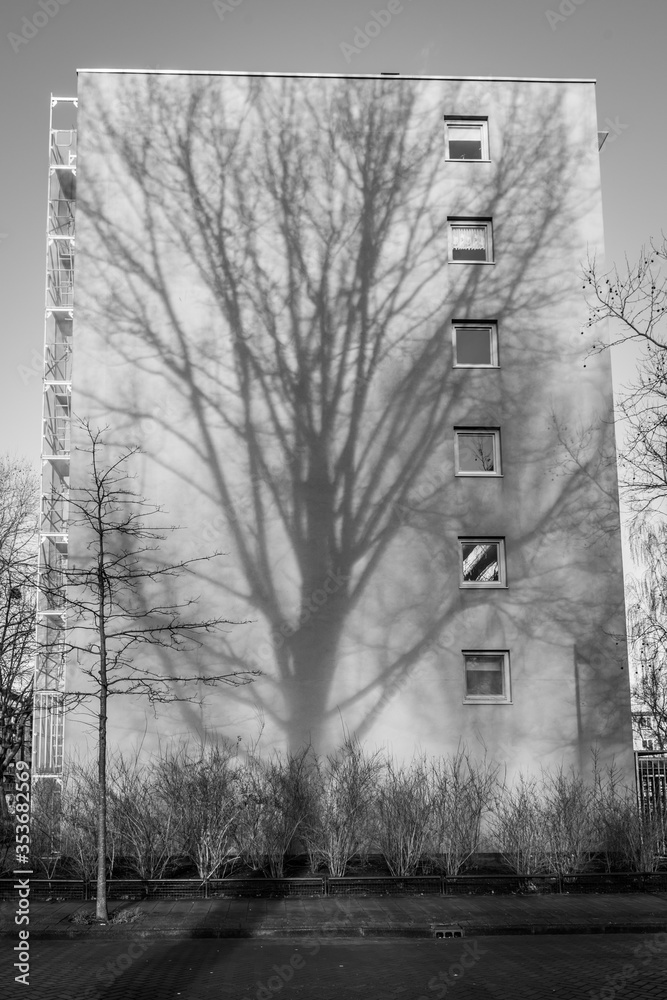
(340, 76)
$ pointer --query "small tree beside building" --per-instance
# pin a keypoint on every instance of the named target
(633, 300)
(19, 503)
(114, 608)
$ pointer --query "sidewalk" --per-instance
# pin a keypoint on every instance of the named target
(354, 916)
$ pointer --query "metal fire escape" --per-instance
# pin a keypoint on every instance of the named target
(49, 687)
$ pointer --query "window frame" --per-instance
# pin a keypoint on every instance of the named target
(501, 582)
(497, 472)
(461, 121)
(472, 324)
(494, 432)
(469, 222)
(488, 699)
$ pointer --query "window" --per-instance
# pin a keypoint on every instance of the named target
(487, 676)
(466, 139)
(475, 344)
(482, 562)
(477, 451)
(470, 241)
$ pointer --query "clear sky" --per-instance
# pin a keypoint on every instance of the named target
(621, 43)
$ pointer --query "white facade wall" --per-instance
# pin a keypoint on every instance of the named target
(244, 245)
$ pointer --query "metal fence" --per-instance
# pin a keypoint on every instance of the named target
(652, 783)
(477, 885)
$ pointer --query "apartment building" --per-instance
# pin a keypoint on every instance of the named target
(342, 319)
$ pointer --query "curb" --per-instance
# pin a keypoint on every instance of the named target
(381, 931)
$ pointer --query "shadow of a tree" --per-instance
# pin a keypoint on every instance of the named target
(265, 305)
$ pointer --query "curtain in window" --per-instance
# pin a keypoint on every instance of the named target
(465, 133)
(469, 237)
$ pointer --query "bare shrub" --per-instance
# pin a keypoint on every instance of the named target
(637, 840)
(201, 791)
(141, 820)
(461, 794)
(45, 826)
(569, 821)
(547, 825)
(276, 802)
(403, 810)
(340, 825)
(131, 915)
(79, 823)
(84, 915)
(563, 824)
(517, 827)
(628, 838)
(7, 845)
(649, 842)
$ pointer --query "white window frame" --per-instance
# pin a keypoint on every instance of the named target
(488, 699)
(455, 122)
(501, 582)
(494, 432)
(471, 324)
(471, 223)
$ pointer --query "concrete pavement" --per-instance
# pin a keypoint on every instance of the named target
(352, 916)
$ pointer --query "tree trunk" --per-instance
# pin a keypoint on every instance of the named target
(314, 650)
(101, 910)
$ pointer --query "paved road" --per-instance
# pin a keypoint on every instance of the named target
(583, 967)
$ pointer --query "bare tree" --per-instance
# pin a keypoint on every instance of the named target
(19, 505)
(633, 301)
(117, 599)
